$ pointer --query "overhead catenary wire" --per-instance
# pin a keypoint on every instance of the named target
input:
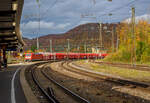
(43, 14)
(119, 8)
(46, 11)
(116, 9)
(126, 5)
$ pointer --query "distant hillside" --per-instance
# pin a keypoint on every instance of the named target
(88, 33)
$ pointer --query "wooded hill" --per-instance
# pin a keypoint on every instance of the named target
(78, 36)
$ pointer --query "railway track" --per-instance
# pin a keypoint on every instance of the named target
(76, 96)
(129, 66)
(109, 78)
(49, 96)
(48, 93)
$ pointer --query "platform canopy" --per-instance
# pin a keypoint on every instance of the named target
(10, 16)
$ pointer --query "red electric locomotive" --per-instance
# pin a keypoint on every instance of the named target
(33, 56)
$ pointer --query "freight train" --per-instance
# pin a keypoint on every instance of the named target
(62, 56)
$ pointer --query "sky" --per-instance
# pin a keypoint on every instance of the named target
(59, 16)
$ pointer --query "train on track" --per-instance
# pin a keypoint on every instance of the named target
(62, 56)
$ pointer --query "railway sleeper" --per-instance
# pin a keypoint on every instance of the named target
(67, 91)
(134, 83)
(51, 93)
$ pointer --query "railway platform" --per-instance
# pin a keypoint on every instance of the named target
(11, 89)
(10, 35)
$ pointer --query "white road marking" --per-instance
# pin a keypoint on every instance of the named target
(13, 99)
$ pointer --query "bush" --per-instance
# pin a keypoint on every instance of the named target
(141, 46)
(123, 55)
(146, 54)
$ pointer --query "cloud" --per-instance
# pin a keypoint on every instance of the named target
(35, 24)
(31, 28)
(145, 17)
(62, 26)
(43, 25)
(58, 16)
(83, 22)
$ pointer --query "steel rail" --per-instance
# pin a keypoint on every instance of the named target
(108, 78)
(130, 66)
(79, 98)
(50, 98)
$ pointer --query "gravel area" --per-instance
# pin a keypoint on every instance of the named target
(96, 91)
(131, 90)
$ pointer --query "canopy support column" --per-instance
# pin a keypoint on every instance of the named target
(0, 59)
(4, 57)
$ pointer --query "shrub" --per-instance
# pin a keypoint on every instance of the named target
(123, 55)
(141, 46)
(146, 55)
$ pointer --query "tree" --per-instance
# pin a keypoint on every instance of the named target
(33, 48)
(142, 42)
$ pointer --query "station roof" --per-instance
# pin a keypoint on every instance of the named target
(10, 16)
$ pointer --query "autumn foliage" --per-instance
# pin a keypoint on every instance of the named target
(142, 42)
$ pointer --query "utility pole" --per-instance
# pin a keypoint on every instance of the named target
(68, 45)
(85, 47)
(113, 30)
(38, 2)
(37, 43)
(50, 41)
(100, 36)
(68, 50)
(133, 48)
(118, 39)
(37, 40)
(117, 43)
(78, 48)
